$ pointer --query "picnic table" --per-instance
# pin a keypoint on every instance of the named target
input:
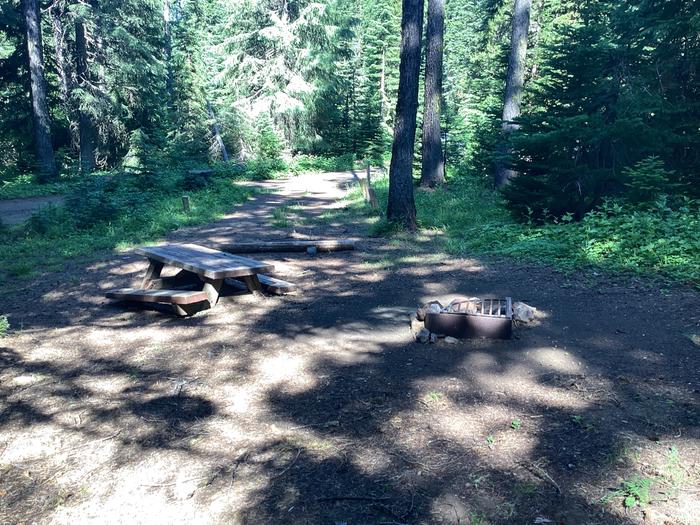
(199, 283)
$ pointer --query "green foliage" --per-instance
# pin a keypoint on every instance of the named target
(304, 163)
(634, 492)
(24, 186)
(516, 424)
(269, 145)
(4, 326)
(660, 240)
(647, 181)
(599, 104)
(109, 211)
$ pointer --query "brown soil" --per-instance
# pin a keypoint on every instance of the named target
(16, 211)
(320, 408)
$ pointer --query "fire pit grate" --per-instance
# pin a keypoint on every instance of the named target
(471, 318)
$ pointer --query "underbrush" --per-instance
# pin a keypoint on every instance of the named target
(304, 163)
(116, 211)
(657, 240)
(24, 186)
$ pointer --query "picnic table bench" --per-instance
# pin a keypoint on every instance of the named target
(202, 268)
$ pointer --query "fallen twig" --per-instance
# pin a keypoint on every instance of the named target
(353, 498)
(290, 466)
(544, 474)
(158, 485)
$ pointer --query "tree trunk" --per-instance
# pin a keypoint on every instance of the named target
(401, 206)
(515, 79)
(87, 130)
(46, 162)
(433, 168)
(216, 131)
(64, 70)
(168, 52)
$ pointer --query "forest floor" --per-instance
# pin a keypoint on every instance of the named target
(320, 408)
(16, 211)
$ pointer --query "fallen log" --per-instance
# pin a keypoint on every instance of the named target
(339, 245)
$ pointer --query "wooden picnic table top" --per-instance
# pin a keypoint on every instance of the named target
(203, 261)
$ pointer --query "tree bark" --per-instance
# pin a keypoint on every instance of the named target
(46, 161)
(515, 79)
(216, 131)
(87, 129)
(64, 70)
(401, 207)
(168, 52)
(433, 168)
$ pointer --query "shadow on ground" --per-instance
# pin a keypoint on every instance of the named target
(320, 408)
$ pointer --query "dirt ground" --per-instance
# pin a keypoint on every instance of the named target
(16, 211)
(320, 408)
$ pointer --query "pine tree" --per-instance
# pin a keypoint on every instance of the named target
(401, 206)
(515, 79)
(46, 163)
(433, 168)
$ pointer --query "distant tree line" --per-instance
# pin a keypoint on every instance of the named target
(561, 103)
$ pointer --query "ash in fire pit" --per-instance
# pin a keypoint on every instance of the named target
(469, 318)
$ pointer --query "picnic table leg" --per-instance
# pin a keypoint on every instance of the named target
(253, 283)
(153, 272)
(186, 310)
(212, 287)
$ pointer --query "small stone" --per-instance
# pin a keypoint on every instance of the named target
(420, 313)
(695, 339)
(523, 312)
(416, 325)
(451, 340)
(434, 308)
(433, 338)
(312, 250)
(423, 336)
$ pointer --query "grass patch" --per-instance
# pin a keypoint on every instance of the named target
(472, 219)
(117, 212)
(24, 186)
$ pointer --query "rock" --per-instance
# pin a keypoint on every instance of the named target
(695, 338)
(434, 308)
(416, 325)
(420, 313)
(523, 312)
(312, 250)
(423, 336)
(433, 338)
(451, 340)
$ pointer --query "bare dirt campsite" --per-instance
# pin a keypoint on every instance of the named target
(349, 262)
(320, 407)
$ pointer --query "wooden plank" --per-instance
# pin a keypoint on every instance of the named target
(252, 282)
(152, 273)
(179, 297)
(206, 262)
(289, 246)
(212, 287)
(276, 286)
(268, 284)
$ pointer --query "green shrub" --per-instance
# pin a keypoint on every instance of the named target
(302, 163)
(97, 200)
(4, 326)
(52, 221)
(647, 180)
(269, 145)
(264, 169)
(659, 239)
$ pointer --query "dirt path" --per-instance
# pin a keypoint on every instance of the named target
(16, 211)
(319, 408)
